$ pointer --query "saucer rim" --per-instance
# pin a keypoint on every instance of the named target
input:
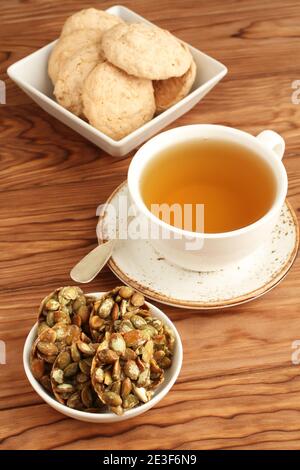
(202, 305)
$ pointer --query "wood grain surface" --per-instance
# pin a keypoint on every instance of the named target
(238, 388)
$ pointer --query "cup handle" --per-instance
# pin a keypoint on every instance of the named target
(273, 141)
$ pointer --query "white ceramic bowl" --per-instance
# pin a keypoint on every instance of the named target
(31, 75)
(170, 378)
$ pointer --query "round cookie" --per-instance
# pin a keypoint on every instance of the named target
(145, 51)
(90, 18)
(116, 103)
(67, 46)
(71, 76)
(170, 91)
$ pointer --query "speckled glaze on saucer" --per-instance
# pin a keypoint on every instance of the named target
(136, 263)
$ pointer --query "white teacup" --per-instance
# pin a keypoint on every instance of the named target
(218, 249)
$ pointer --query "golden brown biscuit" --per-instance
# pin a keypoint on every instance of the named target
(145, 51)
(170, 91)
(90, 18)
(71, 76)
(68, 45)
(117, 103)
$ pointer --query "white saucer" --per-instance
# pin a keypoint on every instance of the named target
(138, 264)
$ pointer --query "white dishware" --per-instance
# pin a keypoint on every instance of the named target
(138, 264)
(170, 378)
(31, 75)
(216, 250)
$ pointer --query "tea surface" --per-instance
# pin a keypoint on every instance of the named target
(235, 185)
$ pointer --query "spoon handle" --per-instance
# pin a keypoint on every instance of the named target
(89, 266)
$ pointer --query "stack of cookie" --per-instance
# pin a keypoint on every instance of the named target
(118, 75)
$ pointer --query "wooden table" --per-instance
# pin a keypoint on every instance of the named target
(238, 387)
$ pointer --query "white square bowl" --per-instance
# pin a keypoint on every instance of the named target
(31, 75)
